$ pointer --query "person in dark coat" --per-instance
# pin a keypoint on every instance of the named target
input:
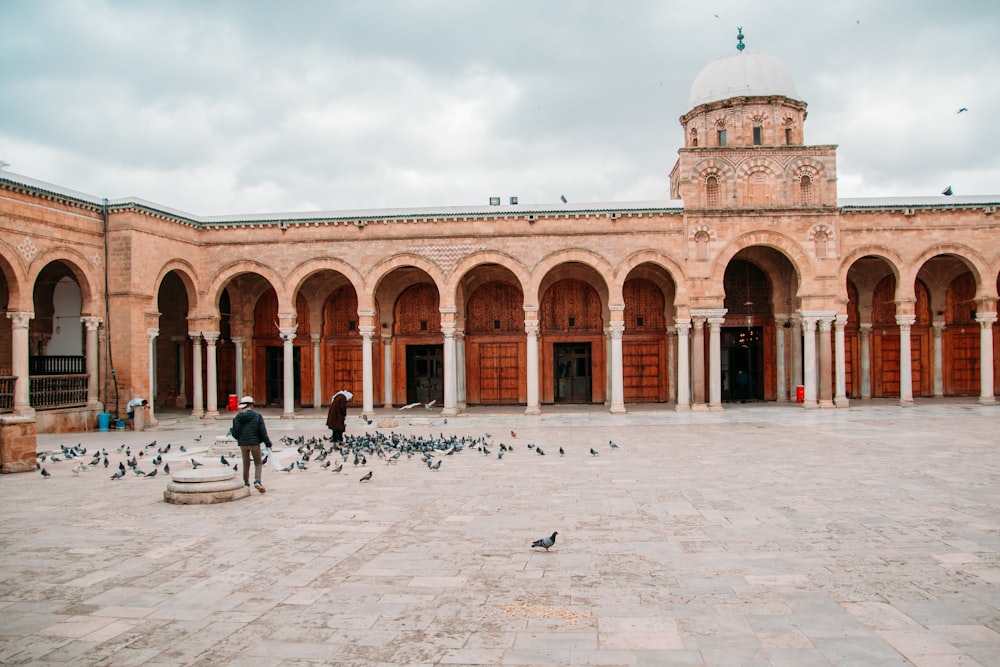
(249, 431)
(336, 418)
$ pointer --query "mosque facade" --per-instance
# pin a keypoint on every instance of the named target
(754, 282)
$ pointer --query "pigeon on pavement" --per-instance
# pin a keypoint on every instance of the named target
(545, 542)
(366, 477)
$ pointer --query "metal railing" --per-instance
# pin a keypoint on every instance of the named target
(57, 364)
(48, 392)
(7, 393)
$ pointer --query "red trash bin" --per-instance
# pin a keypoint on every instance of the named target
(800, 394)
(231, 404)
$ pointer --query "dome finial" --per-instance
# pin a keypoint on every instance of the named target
(739, 40)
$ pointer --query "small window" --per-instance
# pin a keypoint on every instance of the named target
(806, 190)
(694, 137)
(496, 324)
(352, 325)
(712, 192)
(788, 136)
(722, 137)
(758, 135)
(572, 321)
(638, 321)
(423, 325)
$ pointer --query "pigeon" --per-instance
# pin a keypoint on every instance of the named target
(539, 450)
(513, 434)
(947, 192)
(118, 475)
(106, 462)
(198, 439)
(612, 445)
(195, 464)
(288, 468)
(153, 474)
(562, 451)
(340, 466)
(431, 404)
(46, 473)
(410, 405)
(545, 542)
(436, 466)
(962, 110)
(223, 461)
(366, 477)
(166, 468)
(593, 452)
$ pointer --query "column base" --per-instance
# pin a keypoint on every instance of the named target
(211, 414)
(682, 407)
(699, 407)
(715, 407)
(906, 403)
(827, 403)
(449, 412)
(532, 410)
(287, 415)
(810, 405)
(198, 413)
(618, 410)
(987, 400)
(842, 402)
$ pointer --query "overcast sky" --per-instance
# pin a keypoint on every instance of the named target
(225, 107)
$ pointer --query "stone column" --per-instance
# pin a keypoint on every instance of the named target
(825, 384)
(986, 321)
(683, 364)
(797, 378)
(698, 364)
(93, 324)
(617, 368)
(865, 342)
(288, 376)
(531, 332)
(840, 397)
(809, 361)
(387, 370)
(905, 360)
(367, 370)
(197, 398)
(450, 376)
(238, 344)
(672, 364)
(779, 357)
(317, 372)
(211, 375)
(152, 333)
(714, 363)
(460, 367)
(937, 329)
(19, 362)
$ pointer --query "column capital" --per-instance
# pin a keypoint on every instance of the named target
(905, 321)
(151, 332)
(287, 334)
(840, 321)
(237, 340)
(708, 313)
(683, 326)
(211, 337)
(448, 329)
(315, 338)
(367, 331)
(20, 319)
(616, 329)
(986, 319)
(386, 338)
(91, 322)
(531, 327)
(715, 323)
(195, 336)
(825, 324)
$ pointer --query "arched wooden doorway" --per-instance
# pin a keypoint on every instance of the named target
(885, 342)
(418, 348)
(495, 348)
(572, 344)
(645, 371)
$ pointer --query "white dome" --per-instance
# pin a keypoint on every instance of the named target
(742, 74)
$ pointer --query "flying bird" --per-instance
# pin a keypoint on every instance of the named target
(545, 542)
(947, 192)
(366, 477)
(962, 110)
(410, 405)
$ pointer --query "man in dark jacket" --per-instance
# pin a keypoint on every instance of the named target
(336, 418)
(249, 431)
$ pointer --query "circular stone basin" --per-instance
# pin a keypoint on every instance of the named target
(196, 476)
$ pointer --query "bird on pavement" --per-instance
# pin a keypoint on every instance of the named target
(289, 467)
(340, 466)
(166, 468)
(118, 475)
(223, 461)
(195, 464)
(545, 542)
(562, 451)
(367, 477)
(593, 452)
(612, 445)
(436, 466)
(153, 474)
(539, 450)
(46, 473)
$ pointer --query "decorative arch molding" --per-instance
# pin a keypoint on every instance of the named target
(301, 273)
(14, 272)
(881, 252)
(695, 230)
(230, 271)
(804, 165)
(540, 271)
(186, 272)
(755, 165)
(820, 227)
(977, 265)
(655, 258)
(450, 291)
(82, 269)
(713, 166)
(788, 247)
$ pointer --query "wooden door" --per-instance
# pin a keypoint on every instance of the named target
(644, 377)
(499, 372)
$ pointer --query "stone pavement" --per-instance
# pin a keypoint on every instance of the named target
(760, 535)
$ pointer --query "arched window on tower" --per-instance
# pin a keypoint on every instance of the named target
(758, 134)
(788, 136)
(806, 190)
(712, 192)
(694, 137)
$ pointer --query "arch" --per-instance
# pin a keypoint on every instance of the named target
(893, 260)
(657, 259)
(977, 265)
(381, 270)
(302, 272)
(792, 251)
(226, 273)
(583, 256)
(80, 267)
(14, 276)
(713, 165)
(185, 271)
(470, 262)
(804, 165)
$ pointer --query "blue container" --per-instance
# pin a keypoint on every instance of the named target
(104, 421)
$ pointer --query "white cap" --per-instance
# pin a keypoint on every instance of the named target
(246, 400)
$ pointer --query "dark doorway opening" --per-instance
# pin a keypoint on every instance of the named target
(743, 352)
(275, 377)
(424, 373)
(572, 372)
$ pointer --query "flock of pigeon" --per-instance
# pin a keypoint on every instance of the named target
(315, 452)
